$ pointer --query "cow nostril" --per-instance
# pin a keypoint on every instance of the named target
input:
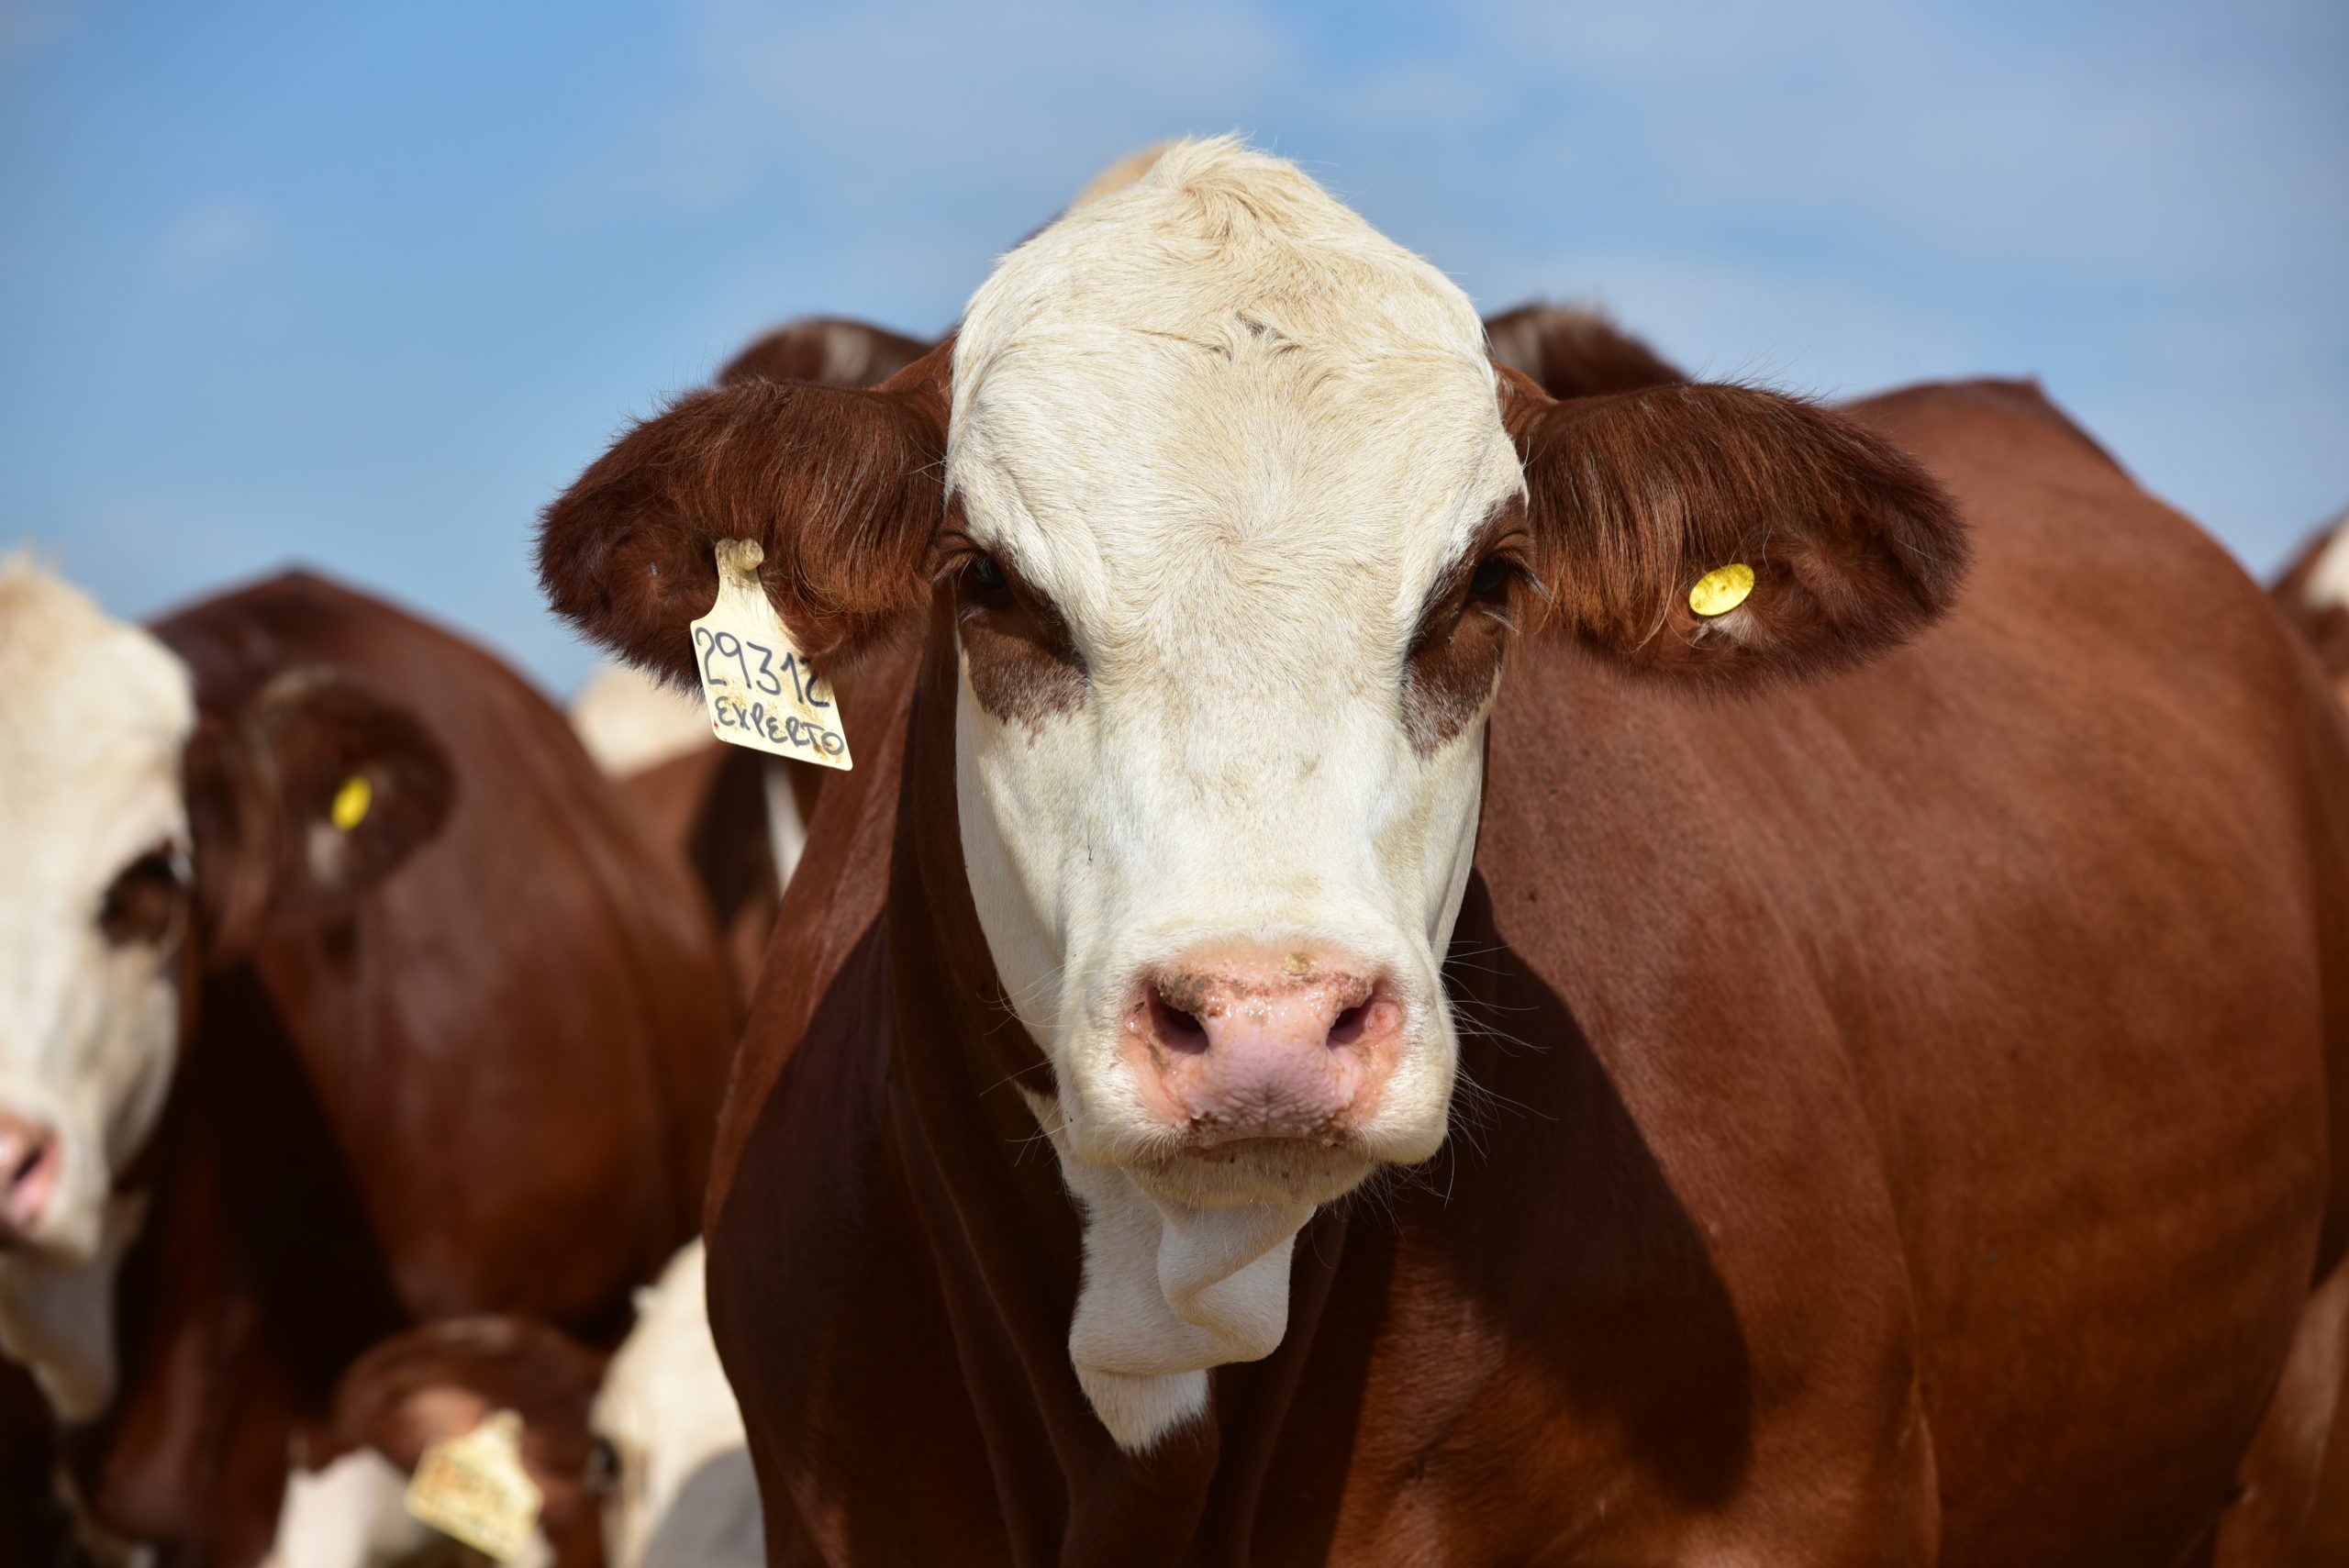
(1175, 1028)
(26, 1163)
(1349, 1024)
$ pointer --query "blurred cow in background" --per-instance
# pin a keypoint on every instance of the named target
(2313, 592)
(339, 991)
(642, 1460)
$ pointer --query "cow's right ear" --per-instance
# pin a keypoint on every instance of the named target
(843, 489)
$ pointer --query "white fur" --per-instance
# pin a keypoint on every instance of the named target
(629, 722)
(349, 1515)
(1235, 435)
(686, 1498)
(1169, 1289)
(353, 1513)
(2328, 581)
(94, 716)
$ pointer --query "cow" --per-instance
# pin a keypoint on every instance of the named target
(1414, 971)
(341, 993)
(639, 1460)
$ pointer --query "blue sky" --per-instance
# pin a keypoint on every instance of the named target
(365, 286)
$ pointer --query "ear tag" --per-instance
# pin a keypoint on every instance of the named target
(1722, 590)
(473, 1488)
(758, 687)
(351, 803)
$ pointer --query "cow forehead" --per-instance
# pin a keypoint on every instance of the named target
(97, 716)
(1222, 384)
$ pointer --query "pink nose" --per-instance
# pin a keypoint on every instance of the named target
(31, 1156)
(1235, 1042)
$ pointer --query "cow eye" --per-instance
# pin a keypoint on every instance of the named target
(603, 1472)
(142, 904)
(987, 574)
(1491, 578)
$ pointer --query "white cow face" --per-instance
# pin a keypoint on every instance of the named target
(95, 863)
(1233, 568)
(1235, 522)
(139, 845)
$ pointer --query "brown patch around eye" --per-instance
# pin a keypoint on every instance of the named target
(1456, 652)
(1024, 665)
(147, 900)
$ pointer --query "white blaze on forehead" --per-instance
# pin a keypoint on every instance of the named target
(685, 1493)
(1236, 436)
(95, 715)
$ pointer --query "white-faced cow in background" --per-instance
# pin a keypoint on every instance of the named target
(292, 1055)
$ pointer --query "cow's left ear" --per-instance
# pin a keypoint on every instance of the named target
(1728, 535)
(304, 800)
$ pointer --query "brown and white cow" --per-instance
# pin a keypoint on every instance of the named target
(340, 992)
(639, 1459)
(1338, 1019)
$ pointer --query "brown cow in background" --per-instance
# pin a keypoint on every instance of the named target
(444, 1030)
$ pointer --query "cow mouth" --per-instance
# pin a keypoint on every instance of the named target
(1256, 1171)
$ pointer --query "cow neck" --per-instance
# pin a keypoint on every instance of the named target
(1011, 1246)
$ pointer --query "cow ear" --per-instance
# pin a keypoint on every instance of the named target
(1574, 351)
(1728, 535)
(438, 1381)
(826, 350)
(843, 489)
(304, 800)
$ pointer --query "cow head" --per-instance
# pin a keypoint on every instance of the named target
(139, 842)
(1237, 521)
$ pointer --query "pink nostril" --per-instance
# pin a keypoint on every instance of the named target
(30, 1159)
(1350, 1023)
(1173, 1027)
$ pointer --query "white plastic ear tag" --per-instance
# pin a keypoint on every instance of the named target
(474, 1488)
(759, 688)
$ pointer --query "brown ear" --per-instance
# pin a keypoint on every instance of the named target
(843, 489)
(826, 350)
(304, 800)
(1635, 498)
(438, 1381)
(1573, 351)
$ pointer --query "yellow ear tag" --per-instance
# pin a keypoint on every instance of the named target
(474, 1488)
(760, 690)
(351, 803)
(1722, 590)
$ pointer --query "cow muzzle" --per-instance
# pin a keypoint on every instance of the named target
(32, 1162)
(1239, 1043)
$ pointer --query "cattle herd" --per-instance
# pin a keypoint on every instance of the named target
(1444, 946)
